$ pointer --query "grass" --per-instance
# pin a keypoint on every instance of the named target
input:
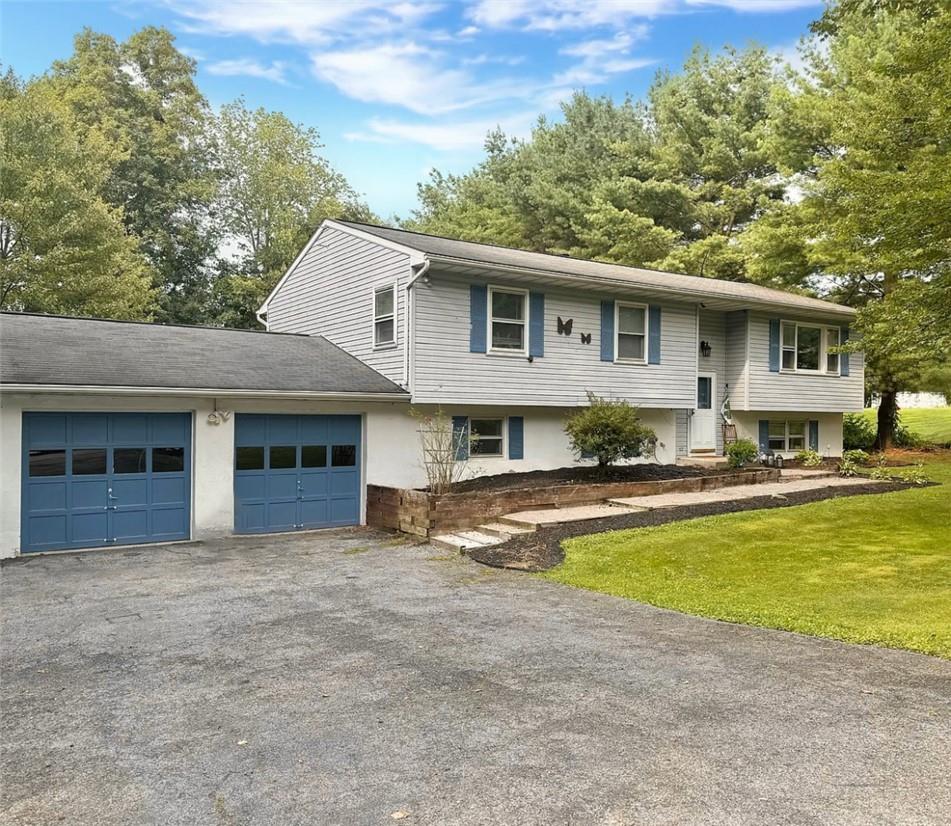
(866, 569)
(930, 424)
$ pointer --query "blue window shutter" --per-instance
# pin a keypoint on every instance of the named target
(607, 331)
(843, 357)
(774, 345)
(653, 334)
(460, 436)
(478, 317)
(814, 435)
(536, 324)
(764, 435)
(516, 437)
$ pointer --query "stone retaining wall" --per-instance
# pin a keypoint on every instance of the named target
(423, 514)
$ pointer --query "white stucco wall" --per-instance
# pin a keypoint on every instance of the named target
(830, 428)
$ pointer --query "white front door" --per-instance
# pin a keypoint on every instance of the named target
(703, 424)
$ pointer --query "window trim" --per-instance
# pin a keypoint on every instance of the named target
(524, 321)
(786, 435)
(502, 437)
(824, 330)
(618, 359)
(386, 345)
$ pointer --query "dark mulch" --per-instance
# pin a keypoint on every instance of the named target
(542, 549)
(585, 474)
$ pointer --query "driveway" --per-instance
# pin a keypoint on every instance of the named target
(344, 678)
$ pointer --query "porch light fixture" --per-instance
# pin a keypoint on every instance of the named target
(705, 349)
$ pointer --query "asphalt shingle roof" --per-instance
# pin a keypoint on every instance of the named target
(57, 350)
(691, 285)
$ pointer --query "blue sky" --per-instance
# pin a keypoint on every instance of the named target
(397, 88)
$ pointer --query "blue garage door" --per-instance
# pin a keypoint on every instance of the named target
(95, 479)
(296, 472)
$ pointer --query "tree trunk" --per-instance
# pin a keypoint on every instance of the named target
(887, 419)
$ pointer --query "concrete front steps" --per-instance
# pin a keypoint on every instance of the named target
(522, 522)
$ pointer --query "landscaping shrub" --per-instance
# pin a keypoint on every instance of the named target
(852, 462)
(609, 431)
(904, 437)
(741, 452)
(809, 458)
(858, 432)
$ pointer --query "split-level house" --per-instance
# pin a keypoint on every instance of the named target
(116, 433)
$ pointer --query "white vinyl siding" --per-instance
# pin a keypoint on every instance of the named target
(790, 390)
(446, 372)
(331, 293)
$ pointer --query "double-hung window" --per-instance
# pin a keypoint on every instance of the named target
(384, 316)
(485, 437)
(631, 333)
(805, 348)
(785, 435)
(508, 318)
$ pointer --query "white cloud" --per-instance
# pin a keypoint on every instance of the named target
(446, 137)
(559, 15)
(621, 42)
(483, 59)
(298, 21)
(410, 76)
(757, 5)
(249, 67)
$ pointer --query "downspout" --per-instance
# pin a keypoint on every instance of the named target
(262, 317)
(408, 319)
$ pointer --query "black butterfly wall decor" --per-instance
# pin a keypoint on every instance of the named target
(564, 327)
(586, 338)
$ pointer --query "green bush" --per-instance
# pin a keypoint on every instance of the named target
(903, 437)
(858, 457)
(852, 462)
(609, 431)
(741, 452)
(858, 432)
(809, 458)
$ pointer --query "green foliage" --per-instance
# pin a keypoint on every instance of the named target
(63, 248)
(669, 184)
(867, 569)
(858, 432)
(275, 190)
(610, 431)
(140, 96)
(809, 458)
(741, 452)
(852, 462)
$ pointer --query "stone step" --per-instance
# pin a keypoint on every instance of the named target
(464, 540)
(558, 516)
(503, 531)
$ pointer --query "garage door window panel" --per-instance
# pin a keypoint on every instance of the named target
(344, 455)
(89, 461)
(128, 460)
(283, 457)
(249, 458)
(47, 463)
(312, 456)
(168, 459)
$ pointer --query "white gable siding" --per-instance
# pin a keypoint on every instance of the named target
(446, 372)
(330, 293)
(793, 392)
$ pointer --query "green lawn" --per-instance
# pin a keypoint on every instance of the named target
(867, 569)
(930, 424)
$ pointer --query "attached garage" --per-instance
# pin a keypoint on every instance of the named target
(296, 472)
(125, 433)
(95, 479)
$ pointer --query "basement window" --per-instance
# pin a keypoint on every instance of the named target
(486, 437)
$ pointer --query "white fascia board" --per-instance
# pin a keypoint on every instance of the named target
(674, 292)
(95, 389)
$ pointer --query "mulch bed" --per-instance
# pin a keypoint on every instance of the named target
(542, 549)
(586, 474)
